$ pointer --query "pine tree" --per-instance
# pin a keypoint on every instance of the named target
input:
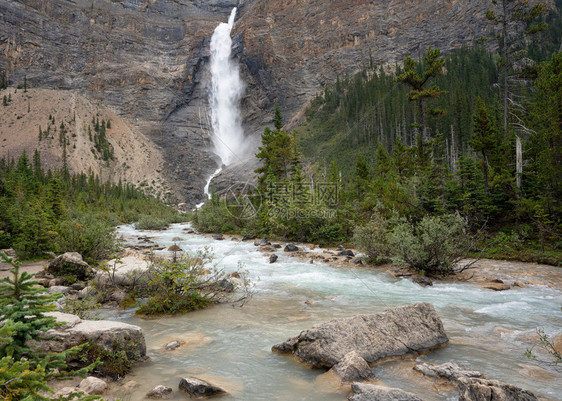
(278, 121)
(484, 138)
(362, 176)
(434, 64)
(37, 170)
(65, 172)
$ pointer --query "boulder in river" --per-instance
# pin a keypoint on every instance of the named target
(403, 331)
(70, 264)
(352, 368)
(291, 248)
(347, 252)
(199, 388)
(262, 242)
(218, 237)
(423, 281)
(273, 258)
(370, 392)
(477, 389)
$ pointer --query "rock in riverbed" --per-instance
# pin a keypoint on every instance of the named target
(160, 393)
(199, 388)
(401, 331)
(449, 371)
(291, 248)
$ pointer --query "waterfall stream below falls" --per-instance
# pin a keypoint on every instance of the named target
(231, 346)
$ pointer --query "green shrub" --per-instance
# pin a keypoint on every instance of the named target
(174, 304)
(115, 362)
(151, 223)
(373, 239)
(189, 284)
(432, 245)
(89, 235)
(215, 217)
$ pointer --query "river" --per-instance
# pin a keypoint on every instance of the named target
(231, 346)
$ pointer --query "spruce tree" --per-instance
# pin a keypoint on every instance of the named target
(484, 138)
(24, 370)
(278, 121)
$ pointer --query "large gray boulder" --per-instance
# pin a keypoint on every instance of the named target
(70, 264)
(370, 392)
(449, 371)
(402, 331)
(199, 388)
(108, 334)
(476, 389)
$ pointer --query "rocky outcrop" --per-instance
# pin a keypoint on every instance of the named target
(402, 331)
(475, 389)
(70, 264)
(449, 371)
(199, 388)
(107, 334)
(370, 392)
(352, 368)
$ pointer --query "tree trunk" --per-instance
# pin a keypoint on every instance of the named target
(518, 161)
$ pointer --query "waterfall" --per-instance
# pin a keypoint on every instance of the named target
(226, 90)
(224, 97)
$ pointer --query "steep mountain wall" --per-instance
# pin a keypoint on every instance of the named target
(146, 59)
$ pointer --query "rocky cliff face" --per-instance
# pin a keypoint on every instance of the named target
(142, 59)
(146, 59)
(292, 49)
